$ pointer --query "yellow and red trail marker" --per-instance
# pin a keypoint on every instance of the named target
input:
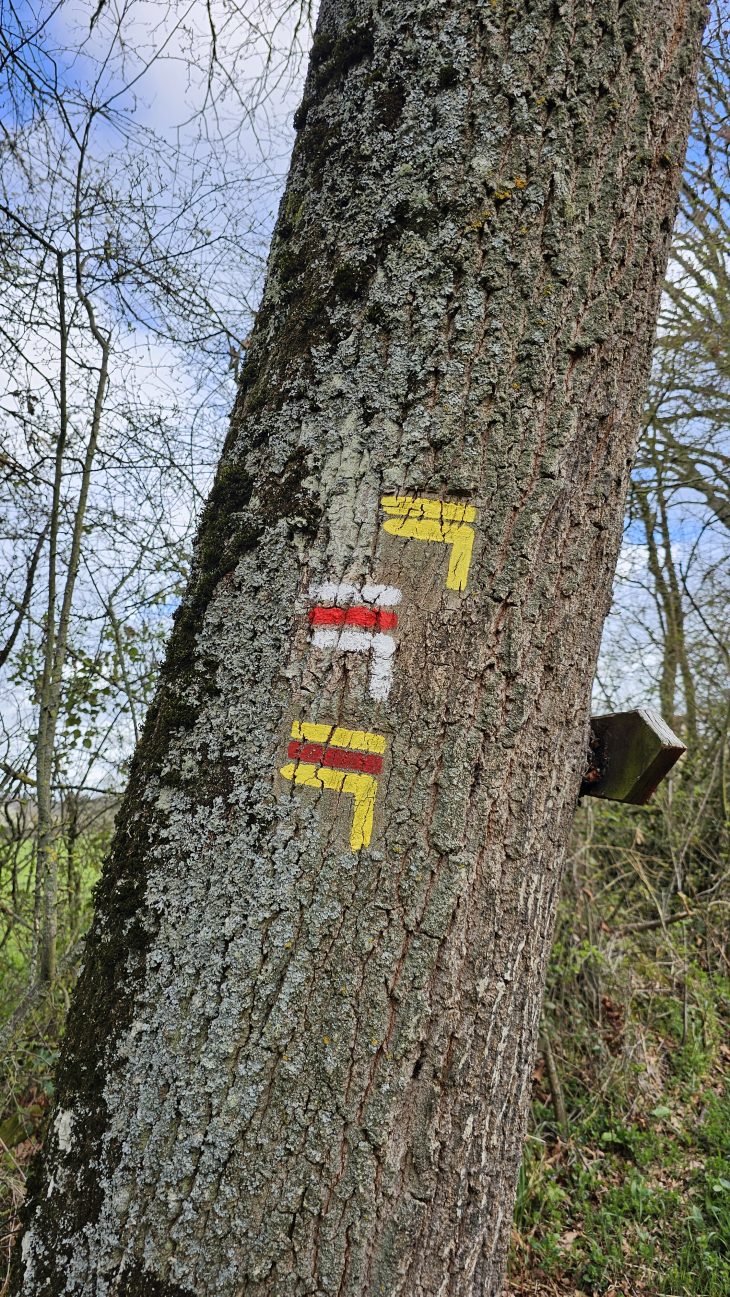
(348, 617)
(342, 760)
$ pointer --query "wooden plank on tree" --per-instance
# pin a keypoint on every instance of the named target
(630, 754)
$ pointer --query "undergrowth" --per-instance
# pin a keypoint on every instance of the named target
(630, 1197)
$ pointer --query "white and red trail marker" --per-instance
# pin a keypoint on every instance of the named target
(358, 619)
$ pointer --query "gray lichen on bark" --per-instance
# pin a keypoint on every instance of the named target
(290, 1068)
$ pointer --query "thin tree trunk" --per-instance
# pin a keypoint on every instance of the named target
(678, 624)
(73, 869)
(299, 1057)
(666, 611)
(46, 861)
(670, 610)
(57, 633)
(556, 1089)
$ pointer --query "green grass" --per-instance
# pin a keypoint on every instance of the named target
(74, 909)
(637, 1203)
(630, 1203)
(702, 1256)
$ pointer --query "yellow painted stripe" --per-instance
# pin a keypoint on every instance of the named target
(414, 506)
(362, 788)
(415, 528)
(301, 772)
(397, 503)
(460, 512)
(363, 740)
(457, 534)
(462, 542)
(338, 736)
(308, 730)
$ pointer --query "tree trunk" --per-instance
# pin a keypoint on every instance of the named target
(298, 1059)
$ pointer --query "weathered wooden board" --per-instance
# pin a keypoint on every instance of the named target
(631, 752)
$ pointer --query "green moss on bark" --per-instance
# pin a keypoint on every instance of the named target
(331, 58)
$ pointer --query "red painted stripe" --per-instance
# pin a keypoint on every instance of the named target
(326, 616)
(365, 617)
(371, 618)
(387, 620)
(366, 763)
(368, 618)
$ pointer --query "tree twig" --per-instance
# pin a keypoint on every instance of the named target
(35, 993)
(648, 924)
(556, 1089)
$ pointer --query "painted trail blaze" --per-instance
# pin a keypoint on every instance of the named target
(342, 760)
(416, 518)
(362, 627)
(349, 617)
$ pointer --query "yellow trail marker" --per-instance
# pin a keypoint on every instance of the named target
(416, 518)
(362, 787)
(338, 737)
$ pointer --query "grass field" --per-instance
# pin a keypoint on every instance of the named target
(636, 1203)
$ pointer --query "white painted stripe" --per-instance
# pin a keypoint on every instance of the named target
(354, 640)
(383, 596)
(381, 669)
(349, 639)
(325, 637)
(383, 645)
(333, 592)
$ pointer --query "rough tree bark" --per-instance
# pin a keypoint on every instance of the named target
(297, 1063)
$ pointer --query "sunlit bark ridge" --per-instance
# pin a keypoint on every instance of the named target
(298, 1060)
